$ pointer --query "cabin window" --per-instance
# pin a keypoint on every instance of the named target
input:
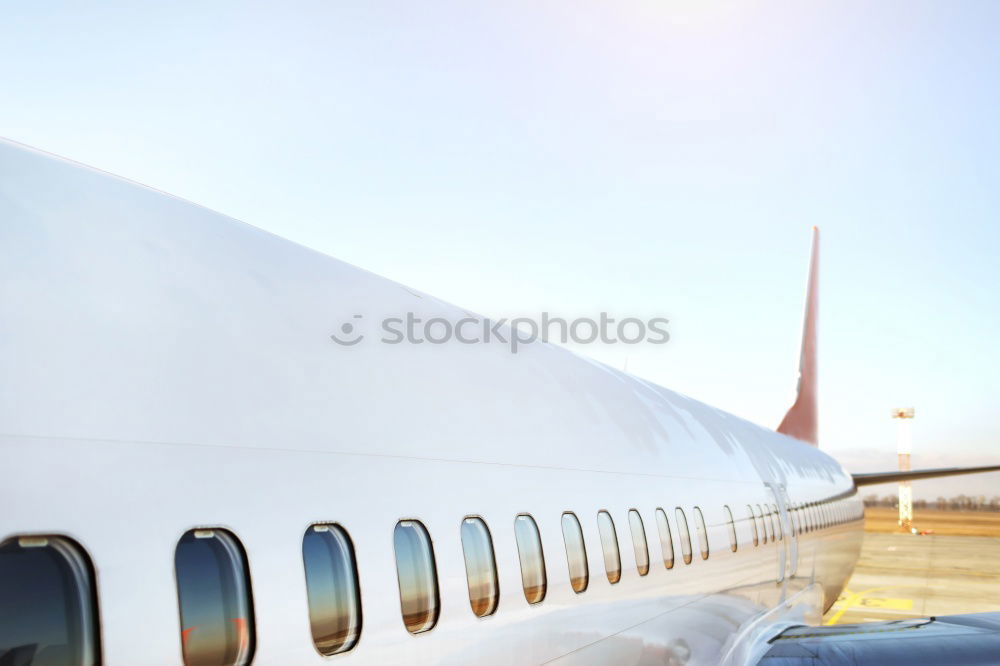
(733, 545)
(609, 543)
(576, 552)
(480, 566)
(48, 608)
(699, 526)
(793, 519)
(684, 533)
(777, 522)
(529, 551)
(331, 588)
(416, 571)
(639, 542)
(213, 591)
(753, 525)
(762, 521)
(666, 539)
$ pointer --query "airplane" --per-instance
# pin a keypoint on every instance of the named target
(196, 472)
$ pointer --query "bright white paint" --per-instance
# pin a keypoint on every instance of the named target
(184, 376)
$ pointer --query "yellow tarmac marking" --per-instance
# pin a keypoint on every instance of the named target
(949, 572)
(855, 600)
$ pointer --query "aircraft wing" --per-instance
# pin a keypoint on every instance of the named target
(871, 478)
(950, 640)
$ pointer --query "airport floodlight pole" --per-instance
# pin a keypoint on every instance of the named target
(904, 445)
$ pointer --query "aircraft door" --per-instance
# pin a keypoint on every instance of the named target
(788, 553)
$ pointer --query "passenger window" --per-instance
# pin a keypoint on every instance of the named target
(416, 571)
(529, 551)
(48, 609)
(480, 566)
(331, 588)
(213, 589)
(609, 544)
(793, 519)
(666, 539)
(762, 522)
(685, 535)
(777, 522)
(732, 528)
(576, 553)
(753, 525)
(699, 526)
(639, 542)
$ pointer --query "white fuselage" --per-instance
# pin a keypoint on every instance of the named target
(164, 368)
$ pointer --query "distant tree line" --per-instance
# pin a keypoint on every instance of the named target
(958, 503)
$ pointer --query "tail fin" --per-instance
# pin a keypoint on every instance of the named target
(801, 421)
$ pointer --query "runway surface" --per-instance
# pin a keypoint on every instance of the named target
(901, 576)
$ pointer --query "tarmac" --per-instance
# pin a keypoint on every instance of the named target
(902, 576)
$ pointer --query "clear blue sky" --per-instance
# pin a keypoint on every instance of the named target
(648, 158)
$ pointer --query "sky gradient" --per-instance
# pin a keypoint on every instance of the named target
(640, 158)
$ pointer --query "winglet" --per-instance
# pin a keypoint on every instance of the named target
(801, 421)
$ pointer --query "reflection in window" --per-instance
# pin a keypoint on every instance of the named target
(732, 528)
(777, 521)
(529, 551)
(480, 566)
(48, 613)
(609, 543)
(769, 523)
(753, 525)
(639, 542)
(213, 589)
(666, 539)
(417, 574)
(699, 526)
(684, 533)
(576, 552)
(793, 519)
(331, 588)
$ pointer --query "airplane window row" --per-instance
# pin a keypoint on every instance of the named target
(54, 577)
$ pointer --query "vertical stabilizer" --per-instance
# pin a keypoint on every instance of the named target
(801, 421)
